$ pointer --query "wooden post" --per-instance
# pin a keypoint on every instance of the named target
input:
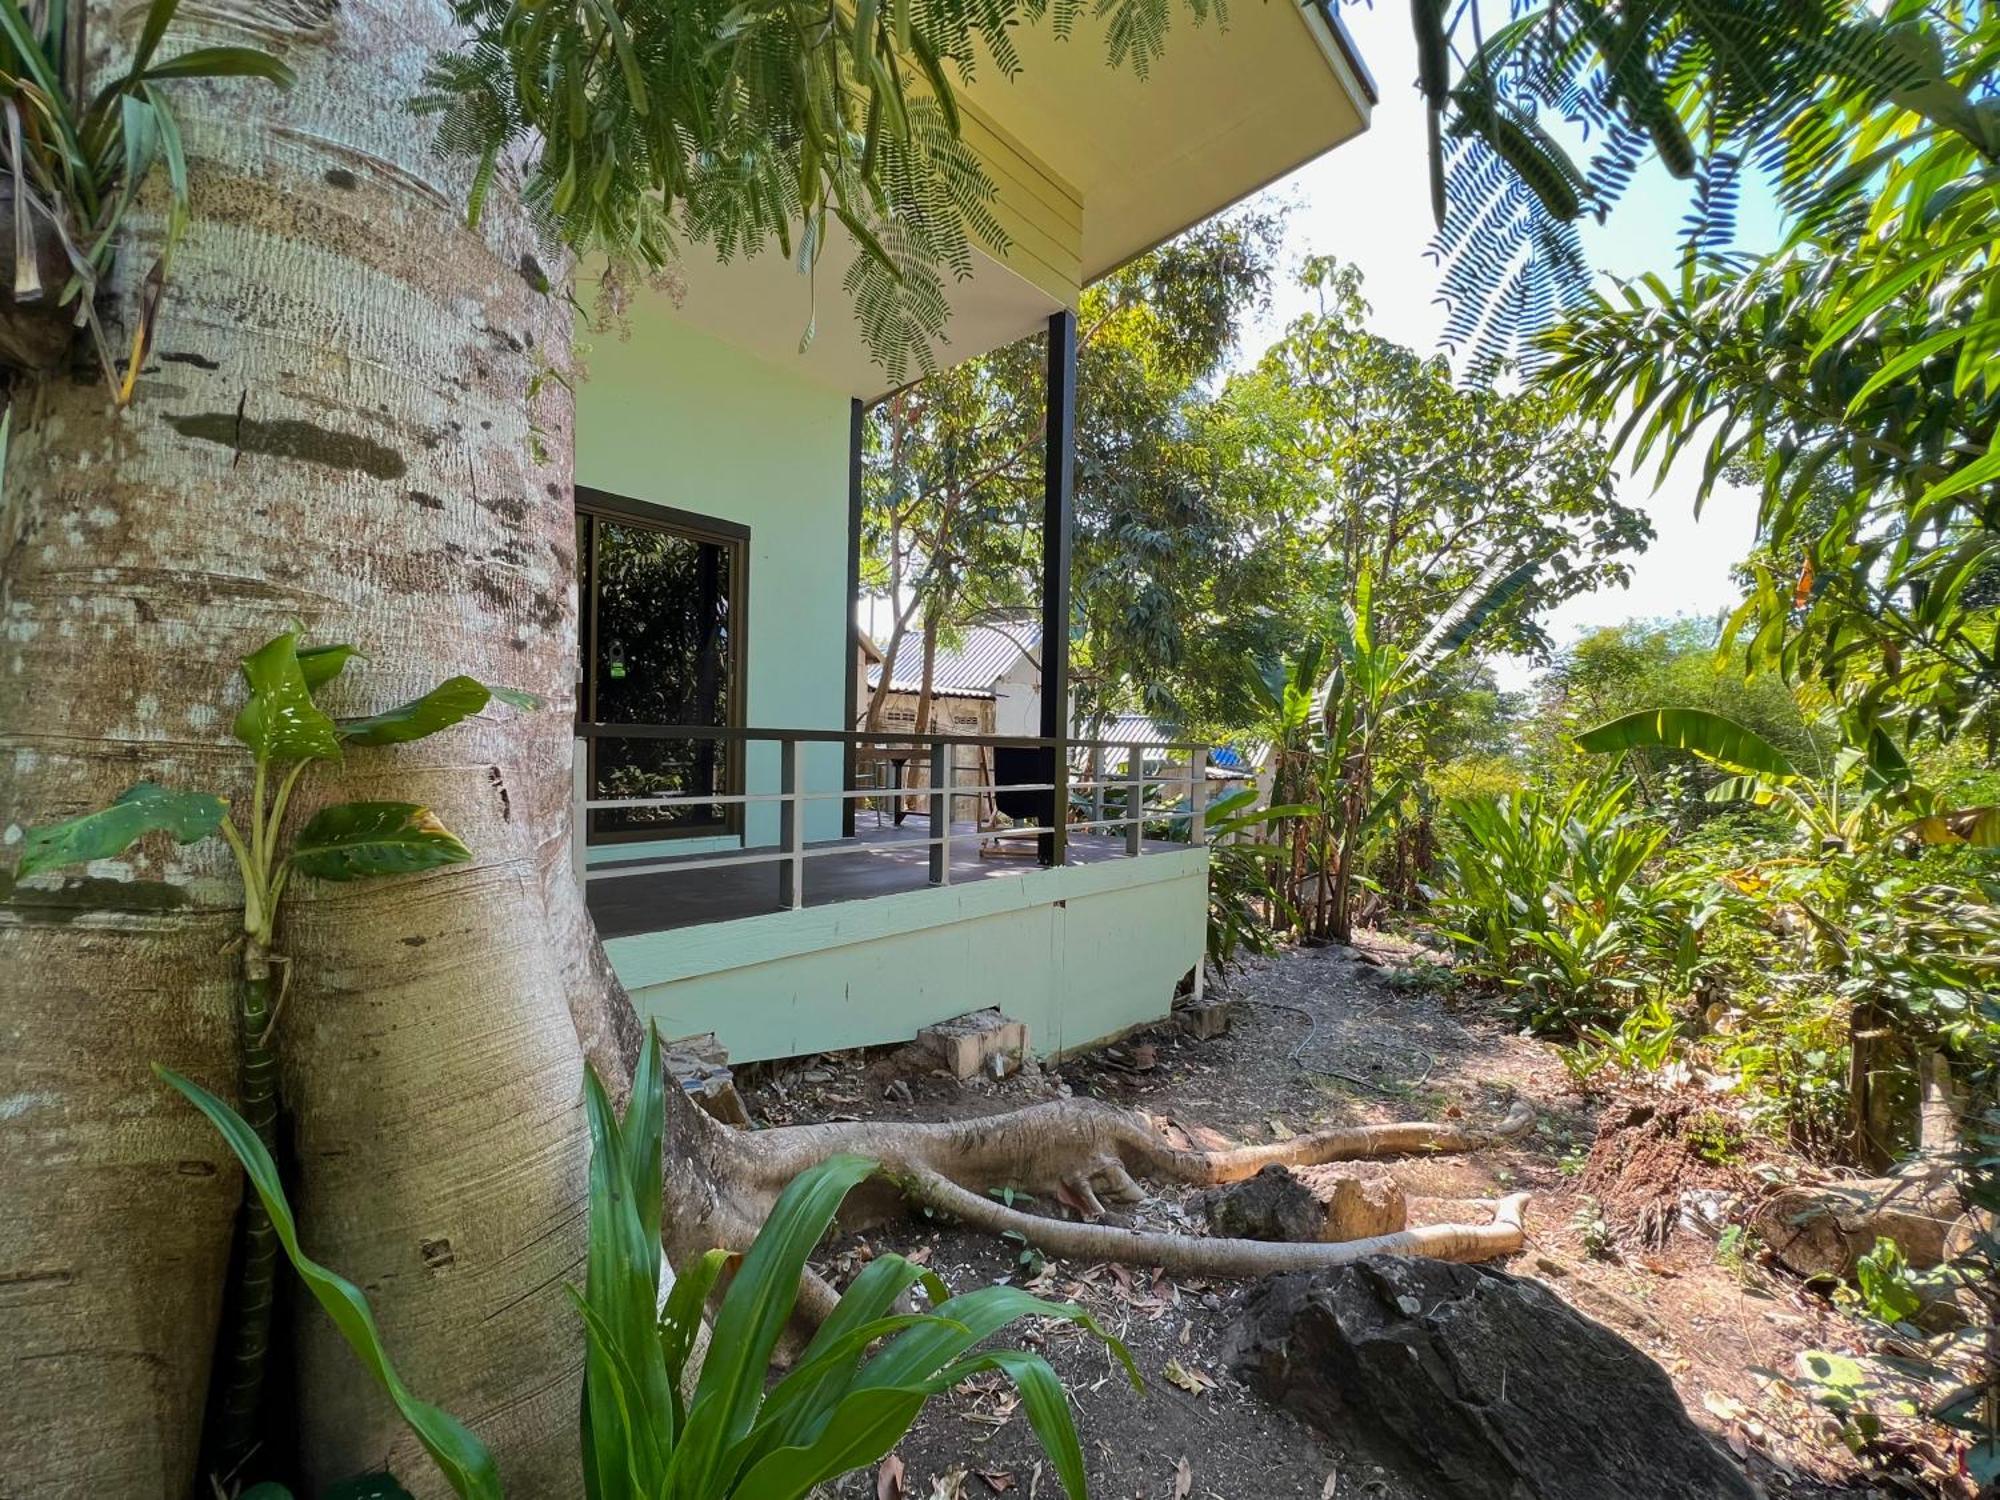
(791, 828)
(1058, 517)
(1097, 786)
(941, 772)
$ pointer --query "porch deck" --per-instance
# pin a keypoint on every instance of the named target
(884, 861)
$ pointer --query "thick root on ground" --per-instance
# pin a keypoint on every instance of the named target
(721, 1182)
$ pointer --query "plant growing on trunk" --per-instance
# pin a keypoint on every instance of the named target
(74, 168)
(840, 1408)
(286, 733)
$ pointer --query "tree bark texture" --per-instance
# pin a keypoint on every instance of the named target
(334, 427)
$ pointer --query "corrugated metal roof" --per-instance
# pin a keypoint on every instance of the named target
(984, 654)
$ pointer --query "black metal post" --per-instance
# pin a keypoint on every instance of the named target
(857, 415)
(1058, 516)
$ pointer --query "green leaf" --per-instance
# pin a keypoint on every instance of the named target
(628, 1420)
(139, 810)
(680, 1319)
(356, 840)
(860, 1432)
(1043, 1398)
(281, 721)
(321, 664)
(459, 1456)
(1708, 735)
(443, 706)
(223, 62)
(753, 1314)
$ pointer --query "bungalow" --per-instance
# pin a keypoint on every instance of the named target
(719, 759)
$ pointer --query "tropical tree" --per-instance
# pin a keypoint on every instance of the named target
(1177, 532)
(1331, 709)
(1835, 102)
(1421, 484)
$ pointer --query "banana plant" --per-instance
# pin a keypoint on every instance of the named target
(286, 734)
(1867, 798)
(1372, 683)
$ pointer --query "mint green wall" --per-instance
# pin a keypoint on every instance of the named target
(1078, 953)
(680, 419)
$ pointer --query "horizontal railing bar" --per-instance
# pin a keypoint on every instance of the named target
(859, 738)
(759, 856)
(703, 799)
(704, 862)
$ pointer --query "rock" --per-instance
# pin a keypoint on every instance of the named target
(1493, 1389)
(1273, 1205)
(966, 1044)
(705, 1078)
(1358, 1207)
(1822, 1231)
(1204, 1019)
(1310, 1205)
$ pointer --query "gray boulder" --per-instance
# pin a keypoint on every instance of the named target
(1476, 1385)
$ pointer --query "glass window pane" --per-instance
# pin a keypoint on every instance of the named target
(660, 654)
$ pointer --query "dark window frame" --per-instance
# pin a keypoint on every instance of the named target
(733, 538)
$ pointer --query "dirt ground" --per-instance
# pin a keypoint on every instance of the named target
(1323, 1037)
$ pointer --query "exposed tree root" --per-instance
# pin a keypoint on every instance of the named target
(1196, 1255)
(721, 1182)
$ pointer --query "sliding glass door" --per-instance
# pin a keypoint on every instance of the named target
(662, 643)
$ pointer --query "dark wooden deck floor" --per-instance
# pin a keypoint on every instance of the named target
(879, 862)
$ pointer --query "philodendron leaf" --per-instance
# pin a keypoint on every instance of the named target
(354, 840)
(463, 1460)
(440, 708)
(281, 721)
(139, 810)
(321, 664)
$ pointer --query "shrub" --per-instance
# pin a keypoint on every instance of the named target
(840, 1408)
(1560, 904)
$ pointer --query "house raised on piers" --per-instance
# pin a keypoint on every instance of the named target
(738, 888)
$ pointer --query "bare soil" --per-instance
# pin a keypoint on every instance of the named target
(1617, 1224)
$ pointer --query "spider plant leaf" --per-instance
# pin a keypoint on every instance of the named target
(1045, 1402)
(159, 16)
(461, 1458)
(222, 62)
(860, 1432)
(754, 1313)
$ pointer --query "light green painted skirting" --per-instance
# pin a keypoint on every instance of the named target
(1078, 953)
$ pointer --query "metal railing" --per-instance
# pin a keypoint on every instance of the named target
(1118, 789)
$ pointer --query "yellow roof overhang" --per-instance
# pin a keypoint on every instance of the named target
(1092, 166)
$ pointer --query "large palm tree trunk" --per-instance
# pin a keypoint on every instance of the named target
(334, 427)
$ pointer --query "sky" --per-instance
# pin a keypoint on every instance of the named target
(1369, 202)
